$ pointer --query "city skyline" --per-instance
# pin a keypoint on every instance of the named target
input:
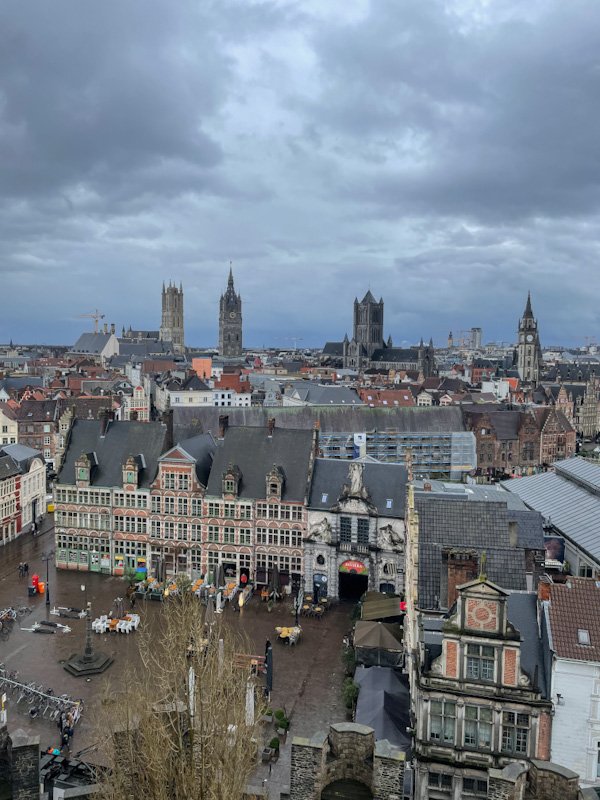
(443, 154)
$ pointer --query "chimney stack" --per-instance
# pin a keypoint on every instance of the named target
(544, 584)
(106, 327)
(223, 425)
(112, 327)
(512, 534)
(315, 440)
(167, 419)
(104, 420)
(270, 426)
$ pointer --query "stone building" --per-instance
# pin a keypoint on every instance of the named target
(529, 351)
(479, 693)
(367, 349)
(171, 326)
(356, 528)
(346, 762)
(230, 321)
(38, 426)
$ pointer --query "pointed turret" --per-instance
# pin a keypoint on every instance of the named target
(528, 314)
(230, 280)
(431, 342)
(389, 341)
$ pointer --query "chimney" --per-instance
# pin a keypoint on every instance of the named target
(167, 419)
(112, 327)
(106, 327)
(462, 568)
(223, 425)
(104, 420)
(512, 534)
(426, 486)
(315, 439)
(270, 426)
(544, 584)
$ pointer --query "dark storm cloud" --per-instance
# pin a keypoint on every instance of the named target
(443, 153)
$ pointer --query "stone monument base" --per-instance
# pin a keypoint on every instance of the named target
(81, 665)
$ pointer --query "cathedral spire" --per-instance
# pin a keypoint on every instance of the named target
(230, 281)
(528, 312)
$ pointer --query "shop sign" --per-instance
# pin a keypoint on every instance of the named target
(355, 567)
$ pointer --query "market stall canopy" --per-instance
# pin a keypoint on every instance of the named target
(378, 643)
(384, 704)
(378, 606)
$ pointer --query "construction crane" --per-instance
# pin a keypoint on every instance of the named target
(295, 340)
(95, 315)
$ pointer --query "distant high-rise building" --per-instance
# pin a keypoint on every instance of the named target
(476, 338)
(529, 351)
(171, 326)
(230, 322)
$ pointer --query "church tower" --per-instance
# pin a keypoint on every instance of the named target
(171, 326)
(230, 322)
(529, 351)
(368, 324)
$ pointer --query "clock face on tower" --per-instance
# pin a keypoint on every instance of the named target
(529, 337)
(232, 314)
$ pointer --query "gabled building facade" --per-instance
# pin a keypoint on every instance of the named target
(478, 693)
(356, 530)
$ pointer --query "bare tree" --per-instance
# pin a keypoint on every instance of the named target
(185, 725)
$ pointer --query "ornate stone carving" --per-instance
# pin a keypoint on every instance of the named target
(389, 539)
(320, 532)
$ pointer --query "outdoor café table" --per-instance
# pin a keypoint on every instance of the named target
(306, 609)
(308, 598)
(264, 594)
(318, 611)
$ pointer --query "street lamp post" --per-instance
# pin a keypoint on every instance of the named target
(46, 557)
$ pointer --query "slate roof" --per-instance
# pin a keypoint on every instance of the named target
(572, 372)
(384, 482)
(398, 354)
(91, 343)
(20, 454)
(317, 394)
(39, 410)
(573, 606)
(121, 440)
(8, 468)
(522, 613)
(145, 347)
(455, 523)
(202, 448)
(565, 498)
(255, 453)
(12, 384)
(331, 419)
(333, 349)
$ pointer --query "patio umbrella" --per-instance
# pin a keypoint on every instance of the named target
(274, 584)
(220, 579)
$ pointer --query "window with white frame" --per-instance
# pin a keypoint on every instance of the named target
(515, 732)
(442, 721)
(478, 727)
(228, 535)
(480, 662)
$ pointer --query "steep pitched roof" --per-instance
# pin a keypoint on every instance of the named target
(202, 449)
(255, 453)
(91, 343)
(386, 484)
(397, 354)
(8, 468)
(39, 410)
(479, 527)
(121, 440)
(575, 606)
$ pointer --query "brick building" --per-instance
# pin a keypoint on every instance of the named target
(38, 426)
(255, 506)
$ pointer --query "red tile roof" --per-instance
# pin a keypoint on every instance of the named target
(575, 606)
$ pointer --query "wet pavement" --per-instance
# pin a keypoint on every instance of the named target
(307, 678)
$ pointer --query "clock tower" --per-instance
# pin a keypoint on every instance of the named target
(230, 322)
(529, 351)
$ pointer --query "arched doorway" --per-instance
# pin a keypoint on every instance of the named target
(346, 790)
(353, 580)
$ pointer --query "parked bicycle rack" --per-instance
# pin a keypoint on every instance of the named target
(42, 702)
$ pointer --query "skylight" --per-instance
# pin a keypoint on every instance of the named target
(324, 498)
(583, 636)
(389, 503)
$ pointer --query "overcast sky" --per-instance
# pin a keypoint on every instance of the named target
(444, 154)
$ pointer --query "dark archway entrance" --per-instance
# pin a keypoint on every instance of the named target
(352, 585)
(346, 790)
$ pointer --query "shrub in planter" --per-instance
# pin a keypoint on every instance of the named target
(350, 693)
(274, 744)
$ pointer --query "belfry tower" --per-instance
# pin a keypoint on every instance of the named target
(230, 321)
(171, 326)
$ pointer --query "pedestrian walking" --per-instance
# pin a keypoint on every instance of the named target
(267, 646)
(26, 568)
(21, 570)
(132, 599)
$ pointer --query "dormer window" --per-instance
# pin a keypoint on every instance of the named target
(273, 488)
(229, 487)
(230, 483)
(274, 483)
